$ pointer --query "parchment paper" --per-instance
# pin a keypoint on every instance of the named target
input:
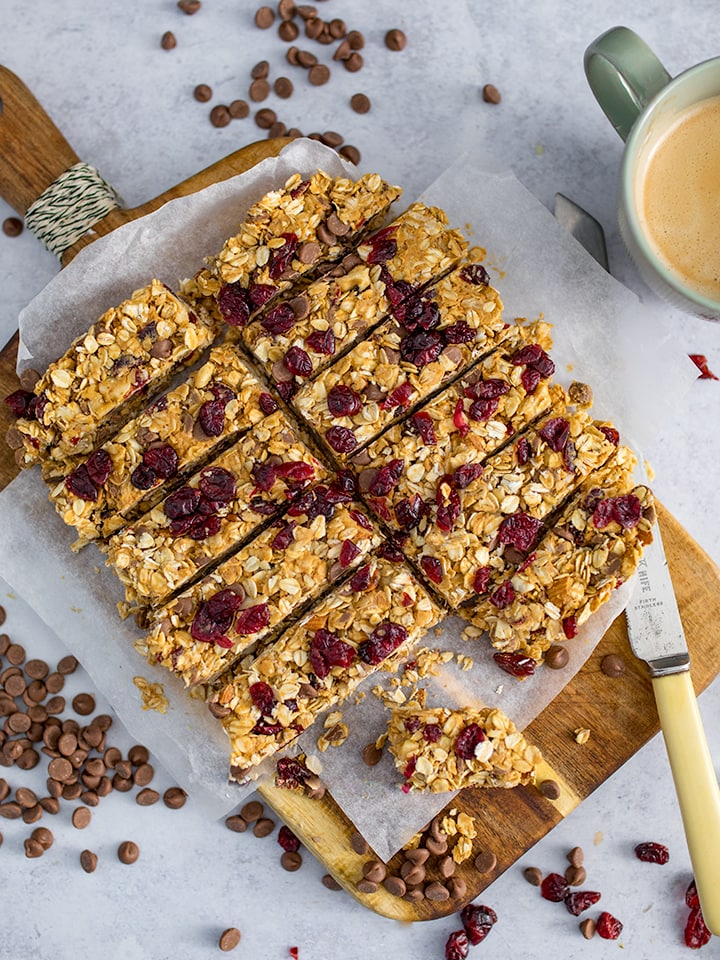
(603, 335)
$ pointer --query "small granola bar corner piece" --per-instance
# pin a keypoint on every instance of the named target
(379, 613)
(250, 596)
(439, 749)
(107, 375)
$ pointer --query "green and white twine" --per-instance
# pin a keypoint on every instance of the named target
(70, 206)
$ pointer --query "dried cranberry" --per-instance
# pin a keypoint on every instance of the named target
(212, 417)
(481, 579)
(214, 618)
(327, 651)
(182, 503)
(625, 510)
(222, 392)
(467, 741)
(419, 313)
(526, 355)
(391, 550)
(544, 365)
(522, 451)
(395, 290)
(432, 733)
(81, 485)
(287, 840)
(265, 509)
(503, 596)
(287, 389)
(163, 460)
(19, 402)
(457, 946)
(281, 257)
(217, 484)
(234, 304)
(530, 378)
(482, 410)
(385, 638)
(285, 537)
(422, 424)
(554, 887)
(264, 475)
(691, 896)
(608, 927)
(267, 403)
(387, 479)
(261, 293)
(582, 900)
(556, 432)
(465, 475)
(253, 619)
(202, 527)
(432, 568)
(361, 520)
(298, 362)
(460, 332)
(300, 189)
(460, 420)
(611, 434)
(412, 724)
(399, 397)
(652, 852)
(421, 348)
(696, 931)
(99, 465)
(516, 664)
(361, 579)
(341, 439)
(36, 408)
(348, 553)
(291, 773)
(143, 477)
(343, 401)
(262, 697)
(570, 627)
(520, 530)
(700, 361)
(264, 729)
(280, 320)
(321, 341)
(408, 512)
(478, 921)
(449, 509)
(383, 246)
(475, 273)
(296, 471)
(343, 488)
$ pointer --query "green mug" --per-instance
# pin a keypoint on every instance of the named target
(645, 104)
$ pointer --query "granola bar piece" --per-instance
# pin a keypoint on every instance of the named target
(211, 516)
(290, 233)
(594, 545)
(107, 375)
(445, 329)
(457, 430)
(297, 339)
(250, 596)
(468, 533)
(150, 454)
(380, 611)
(439, 749)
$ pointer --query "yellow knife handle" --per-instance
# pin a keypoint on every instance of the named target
(695, 784)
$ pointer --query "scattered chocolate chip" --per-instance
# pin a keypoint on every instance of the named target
(231, 937)
(264, 17)
(147, 797)
(395, 886)
(533, 875)
(491, 94)
(457, 888)
(175, 798)
(587, 928)
(395, 40)
(189, 7)
(202, 93)
(556, 657)
(446, 866)
(10, 810)
(15, 654)
(354, 62)
(360, 103)
(260, 70)
(84, 704)
(414, 896)
(277, 129)
(436, 847)
(288, 31)
(412, 873)
(549, 789)
(372, 755)
(329, 881)
(265, 118)
(359, 844)
(436, 891)
(43, 836)
(485, 861)
(374, 870)
(81, 818)
(264, 827)
(236, 823)
(143, 775)
(36, 669)
(259, 90)
(291, 861)
(366, 886)
(55, 682)
(319, 74)
(355, 39)
(576, 876)
(283, 88)
(128, 852)
(60, 769)
(576, 856)
(350, 153)
(12, 226)
(306, 59)
(33, 848)
(417, 856)
(220, 116)
(168, 41)
(332, 139)
(292, 56)
(252, 811)
(306, 11)
(25, 797)
(88, 861)
(612, 665)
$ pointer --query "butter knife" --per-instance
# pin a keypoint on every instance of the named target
(656, 635)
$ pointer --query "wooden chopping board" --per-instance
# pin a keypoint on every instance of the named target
(620, 713)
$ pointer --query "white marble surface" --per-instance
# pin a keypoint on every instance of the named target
(125, 105)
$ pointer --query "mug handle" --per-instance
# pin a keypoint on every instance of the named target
(624, 74)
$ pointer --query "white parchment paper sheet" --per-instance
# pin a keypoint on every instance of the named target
(603, 336)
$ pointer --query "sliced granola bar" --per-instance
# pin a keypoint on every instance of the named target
(264, 705)
(252, 595)
(439, 749)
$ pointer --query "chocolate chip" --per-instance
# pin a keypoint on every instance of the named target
(485, 861)
(491, 94)
(15, 685)
(252, 811)
(372, 755)
(576, 856)
(313, 27)
(395, 40)
(306, 11)
(374, 870)
(292, 56)
(81, 818)
(457, 888)
(360, 103)
(111, 757)
(33, 849)
(4, 789)
(291, 861)
(283, 88)
(412, 873)
(556, 657)
(260, 70)
(277, 129)
(220, 116)
(264, 17)
(12, 227)
(259, 90)
(60, 769)
(25, 797)
(337, 28)
(359, 844)
(55, 705)
(231, 937)
(332, 139)
(175, 798)
(436, 847)
(576, 876)
(329, 881)
(533, 875)
(437, 891)
(43, 836)
(84, 704)
(612, 665)
(264, 827)
(202, 93)
(55, 682)
(286, 9)
(143, 775)
(356, 40)
(395, 886)
(147, 797)
(128, 852)
(168, 41)
(319, 74)
(414, 896)
(15, 654)
(121, 784)
(366, 886)
(446, 866)
(10, 810)
(189, 7)
(354, 62)
(236, 823)
(36, 669)
(350, 153)
(88, 861)
(306, 59)
(587, 928)
(418, 856)
(288, 31)
(28, 759)
(549, 789)
(265, 118)
(50, 805)
(4, 640)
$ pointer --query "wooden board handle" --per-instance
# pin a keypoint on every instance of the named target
(33, 152)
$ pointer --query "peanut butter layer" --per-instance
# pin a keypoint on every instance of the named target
(251, 596)
(107, 375)
(150, 454)
(214, 513)
(439, 749)
(264, 705)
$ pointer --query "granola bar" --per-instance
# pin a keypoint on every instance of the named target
(107, 374)
(467, 532)
(264, 705)
(248, 597)
(594, 545)
(291, 232)
(214, 514)
(457, 430)
(182, 429)
(445, 329)
(439, 749)
(296, 339)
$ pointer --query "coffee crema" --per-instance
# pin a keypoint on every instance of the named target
(680, 198)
